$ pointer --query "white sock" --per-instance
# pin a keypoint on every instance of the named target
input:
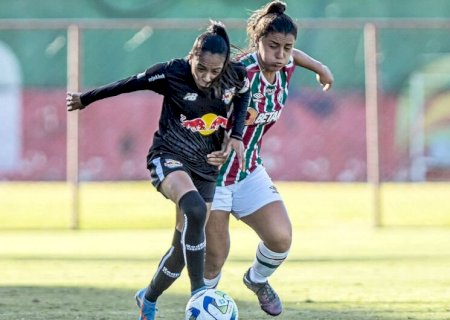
(266, 262)
(212, 283)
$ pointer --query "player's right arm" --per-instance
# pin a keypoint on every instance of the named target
(152, 79)
(73, 101)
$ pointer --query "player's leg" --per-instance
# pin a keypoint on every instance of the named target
(169, 269)
(179, 187)
(170, 266)
(273, 226)
(259, 205)
(176, 184)
(217, 234)
(217, 246)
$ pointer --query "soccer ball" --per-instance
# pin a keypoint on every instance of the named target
(211, 304)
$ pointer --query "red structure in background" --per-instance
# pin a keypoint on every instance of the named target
(320, 137)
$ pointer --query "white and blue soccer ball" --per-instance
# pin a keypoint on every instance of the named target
(211, 304)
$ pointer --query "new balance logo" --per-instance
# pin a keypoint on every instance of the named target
(190, 96)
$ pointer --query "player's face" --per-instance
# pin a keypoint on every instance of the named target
(206, 68)
(274, 50)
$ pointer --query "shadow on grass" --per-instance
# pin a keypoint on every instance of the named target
(58, 303)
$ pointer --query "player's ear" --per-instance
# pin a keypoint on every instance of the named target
(189, 56)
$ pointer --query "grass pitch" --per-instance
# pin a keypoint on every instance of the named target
(331, 273)
(339, 266)
(136, 205)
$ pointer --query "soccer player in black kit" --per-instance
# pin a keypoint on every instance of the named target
(202, 92)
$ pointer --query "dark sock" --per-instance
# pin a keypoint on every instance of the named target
(193, 237)
(169, 269)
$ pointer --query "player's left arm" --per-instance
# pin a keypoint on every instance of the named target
(241, 100)
(323, 73)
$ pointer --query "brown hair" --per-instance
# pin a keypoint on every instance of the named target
(267, 19)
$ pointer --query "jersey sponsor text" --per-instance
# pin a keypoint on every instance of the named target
(156, 77)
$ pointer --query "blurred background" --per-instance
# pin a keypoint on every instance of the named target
(386, 121)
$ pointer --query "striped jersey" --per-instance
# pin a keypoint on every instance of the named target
(267, 102)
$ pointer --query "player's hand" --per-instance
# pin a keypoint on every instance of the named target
(238, 147)
(325, 78)
(73, 101)
(217, 158)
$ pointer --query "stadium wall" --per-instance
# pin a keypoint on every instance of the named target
(115, 135)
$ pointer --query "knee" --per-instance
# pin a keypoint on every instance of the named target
(280, 243)
(194, 207)
(285, 243)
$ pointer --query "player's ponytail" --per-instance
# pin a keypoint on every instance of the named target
(269, 18)
(219, 29)
(216, 41)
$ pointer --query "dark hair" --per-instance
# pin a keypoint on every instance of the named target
(216, 41)
(269, 18)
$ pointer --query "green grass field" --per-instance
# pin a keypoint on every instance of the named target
(340, 267)
(137, 205)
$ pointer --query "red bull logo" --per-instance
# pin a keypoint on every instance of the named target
(206, 125)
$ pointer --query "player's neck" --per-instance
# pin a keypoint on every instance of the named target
(270, 76)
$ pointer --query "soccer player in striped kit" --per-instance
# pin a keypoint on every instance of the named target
(250, 194)
(198, 93)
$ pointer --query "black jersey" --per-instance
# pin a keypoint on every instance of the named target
(192, 120)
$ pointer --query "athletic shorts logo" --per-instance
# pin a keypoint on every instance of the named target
(170, 163)
(190, 96)
(274, 189)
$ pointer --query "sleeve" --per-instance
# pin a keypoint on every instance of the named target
(240, 105)
(151, 79)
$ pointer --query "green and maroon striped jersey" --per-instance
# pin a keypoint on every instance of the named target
(267, 102)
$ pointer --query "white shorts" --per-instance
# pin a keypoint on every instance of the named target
(246, 196)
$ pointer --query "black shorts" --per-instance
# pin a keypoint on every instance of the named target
(163, 164)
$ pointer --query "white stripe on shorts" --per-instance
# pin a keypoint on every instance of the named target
(159, 170)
